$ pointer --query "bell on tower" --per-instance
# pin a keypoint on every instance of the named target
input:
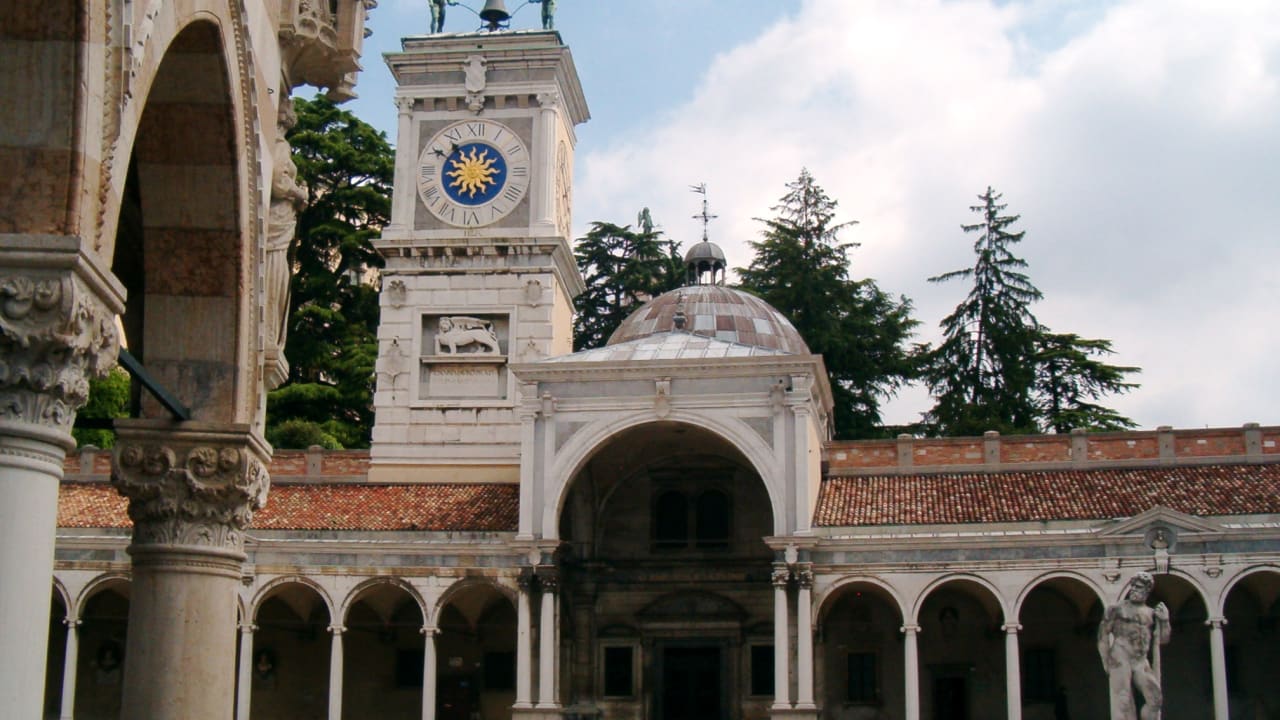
(704, 263)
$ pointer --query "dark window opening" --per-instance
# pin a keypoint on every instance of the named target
(671, 521)
(863, 687)
(711, 520)
(618, 671)
(761, 669)
(409, 664)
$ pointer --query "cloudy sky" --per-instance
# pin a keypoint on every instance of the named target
(1139, 140)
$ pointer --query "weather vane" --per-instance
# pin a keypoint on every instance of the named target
(705, 216)
(494, 14)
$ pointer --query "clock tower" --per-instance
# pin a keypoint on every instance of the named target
(479, 268)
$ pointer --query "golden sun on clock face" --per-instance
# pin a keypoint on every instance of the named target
(473, 173)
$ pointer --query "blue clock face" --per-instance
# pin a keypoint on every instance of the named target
(473, 173)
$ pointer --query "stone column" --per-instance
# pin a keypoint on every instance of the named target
(804, 640)
(335, 672)
(70, 665)
(57, 329)
(548, 639)
(524, 681)
(911, 671)
(192, 489)
(244, 687)
(429, 673)
(1218, 660)
(543, 200)
(406, 186)
(781, 639)
(1012, 671)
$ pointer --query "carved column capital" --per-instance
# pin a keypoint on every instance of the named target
(549, 579)
(781, 576)
(804, 577)
(549, 100)
(57, 328)
(525, 580)
(191, 484)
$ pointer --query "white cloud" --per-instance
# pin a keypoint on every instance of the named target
(1137, 141)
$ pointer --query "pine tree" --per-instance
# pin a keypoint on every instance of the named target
(997, 367)
(622, 269)
(346, 166)
(802, 269)
(1069, 376)
(980, 375)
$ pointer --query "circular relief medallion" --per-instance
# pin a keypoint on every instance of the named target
(473, 173)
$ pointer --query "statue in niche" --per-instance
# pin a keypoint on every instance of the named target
(458, 330)
(288, 198)
(1129, 655)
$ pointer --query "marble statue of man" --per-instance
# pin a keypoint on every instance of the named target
(1125, 642)
(288, 197)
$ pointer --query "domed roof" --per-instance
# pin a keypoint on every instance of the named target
(704, 251)
(714, 311)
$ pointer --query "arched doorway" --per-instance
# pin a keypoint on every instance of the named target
(1252, 639)
(861, 653)
(962, 654)
(476, 654)
(289, 670)
(662, 516)
(1186, 673)
(383, 654)
(1062, 674)
(104, 630)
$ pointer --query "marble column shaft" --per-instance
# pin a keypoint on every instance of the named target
(335, 672)
(70, 666)
(524, 649)
(911, 671)
(1012, 671)
(548, 640)
(781, 639)
(804, 640)
(429, 673)
(193, 488)
(1218, 663)
(57, 329)
(244, 684)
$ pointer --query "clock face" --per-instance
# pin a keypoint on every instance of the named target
(473, 173)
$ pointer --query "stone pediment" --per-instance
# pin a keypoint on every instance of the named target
(1159, 515)
(687, 606)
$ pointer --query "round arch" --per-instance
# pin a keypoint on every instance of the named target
(958, 578)
(1043, 578)
(1220, 606)
(105, 581)
(269, 590)
(570, 460)
(60, 589)
(461, 586)
(1197, 588)
(356, 594)
(827, 598)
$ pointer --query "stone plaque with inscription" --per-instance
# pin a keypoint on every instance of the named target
(472, 380)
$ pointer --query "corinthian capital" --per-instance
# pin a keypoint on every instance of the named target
(190, 485)
(57, 328)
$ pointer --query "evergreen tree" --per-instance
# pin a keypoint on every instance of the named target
(346, 166)
(1069, 376)
(802, 269)
(622, 269)
(980, 375)
(997, 367)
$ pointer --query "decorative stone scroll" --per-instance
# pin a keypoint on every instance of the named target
(195, 486)
(57, 329)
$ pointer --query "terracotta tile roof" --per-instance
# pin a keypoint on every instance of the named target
(1049, 495)
(467, 507)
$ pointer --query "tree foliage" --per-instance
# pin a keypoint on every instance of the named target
(108, 398)
(997, 368)
(801, 268)
(346, 166)
(622, 269)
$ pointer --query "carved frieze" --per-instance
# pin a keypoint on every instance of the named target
(55, 333)
(196, 487)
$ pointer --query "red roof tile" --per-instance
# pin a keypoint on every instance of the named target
(1049, 495)
(468, 507)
